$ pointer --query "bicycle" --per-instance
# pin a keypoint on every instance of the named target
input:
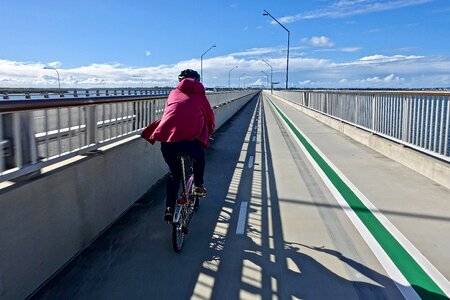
(185, 205)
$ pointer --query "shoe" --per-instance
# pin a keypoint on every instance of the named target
(168, 214)
(200, 191)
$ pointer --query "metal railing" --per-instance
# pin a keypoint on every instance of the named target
(38, 133)
(89, 93)
(420, 120)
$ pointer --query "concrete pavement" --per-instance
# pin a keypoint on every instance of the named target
(269, 228)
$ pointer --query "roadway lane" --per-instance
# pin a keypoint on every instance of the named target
(269, 228)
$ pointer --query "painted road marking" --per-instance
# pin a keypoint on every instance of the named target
(250, 161)
(242, 217)
(412, 273)
(240, 229)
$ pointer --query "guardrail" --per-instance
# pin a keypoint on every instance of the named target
(85, 93)
(37, 133)
(420, 120)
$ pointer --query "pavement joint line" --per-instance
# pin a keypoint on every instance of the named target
(403, 262)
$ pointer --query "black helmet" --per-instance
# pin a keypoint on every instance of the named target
(188, 73)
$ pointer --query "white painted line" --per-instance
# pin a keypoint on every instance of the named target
(242, 216)
(250, 162)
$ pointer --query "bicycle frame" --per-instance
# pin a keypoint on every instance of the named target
(185, 196)
(184, 207)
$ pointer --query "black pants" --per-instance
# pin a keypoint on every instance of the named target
(170, 152)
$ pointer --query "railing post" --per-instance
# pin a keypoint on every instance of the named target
(91, 124)
(3, 145)
(17, 134)
(374, 113)
(447, 128)
(405, 119)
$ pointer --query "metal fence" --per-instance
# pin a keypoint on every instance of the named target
(37, 133)
(420, 120)
(85, 93)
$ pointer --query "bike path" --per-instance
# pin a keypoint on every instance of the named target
(269, 228)
(414, 255)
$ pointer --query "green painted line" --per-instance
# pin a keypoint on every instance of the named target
(424, 286)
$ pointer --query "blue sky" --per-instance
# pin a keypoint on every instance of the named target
(333, 43)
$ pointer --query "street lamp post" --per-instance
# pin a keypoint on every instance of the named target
(229, 76)
(266, 13)
(201, 62)
(267, 77)
(240, 80)
(51, 68)
(271, 74)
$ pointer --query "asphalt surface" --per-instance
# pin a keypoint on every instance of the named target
(269, 228)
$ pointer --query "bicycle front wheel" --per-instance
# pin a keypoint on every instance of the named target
(177, 236)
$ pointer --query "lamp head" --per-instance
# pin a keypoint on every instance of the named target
(265, 13)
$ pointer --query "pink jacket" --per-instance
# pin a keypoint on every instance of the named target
(187, 116)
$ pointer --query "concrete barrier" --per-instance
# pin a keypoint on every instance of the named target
(45, 222)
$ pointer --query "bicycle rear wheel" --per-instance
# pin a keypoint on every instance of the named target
(177, 236)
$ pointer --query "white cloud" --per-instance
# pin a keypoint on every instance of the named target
(305, 82)
(391, 78)
(372, 70)
(345, 8)
(258, 82)
(377, 58)
(258, 51)
(319, 41)
(376, 79)
(388, 79)
(148, 53)
(350, 49)
(54, 64)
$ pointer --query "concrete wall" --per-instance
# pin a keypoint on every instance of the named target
(435, 169)
(46, 221)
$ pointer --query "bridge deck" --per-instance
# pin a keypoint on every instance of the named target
(271, 228)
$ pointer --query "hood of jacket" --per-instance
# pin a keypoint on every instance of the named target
(191, 86)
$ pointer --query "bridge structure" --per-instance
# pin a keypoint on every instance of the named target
(312, 195)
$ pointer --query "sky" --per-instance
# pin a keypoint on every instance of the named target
(134, 43)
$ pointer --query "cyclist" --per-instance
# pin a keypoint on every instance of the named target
(185, 127)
